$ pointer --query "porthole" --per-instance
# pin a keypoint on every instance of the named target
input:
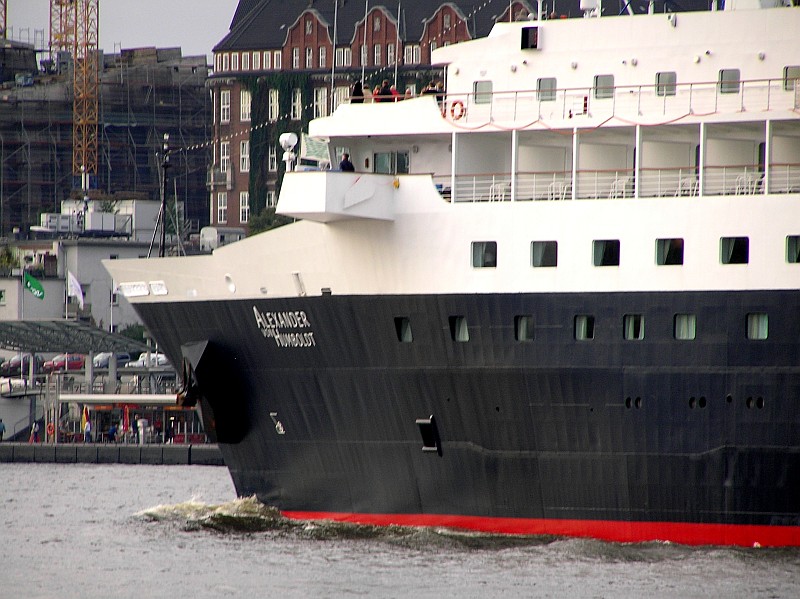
(760, 402)
(701, 402)
(628, 402)
(691, 402)
(638, 402)
(749, 402)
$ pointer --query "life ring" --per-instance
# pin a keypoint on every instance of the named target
(51, 429)
(457, 110)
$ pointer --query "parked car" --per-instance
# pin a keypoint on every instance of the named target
(65, 362)
(142, 362)
(103, 359)
(12, 367)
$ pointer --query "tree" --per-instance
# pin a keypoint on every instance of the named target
(266, 220)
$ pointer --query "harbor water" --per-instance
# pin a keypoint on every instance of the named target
(89, 530)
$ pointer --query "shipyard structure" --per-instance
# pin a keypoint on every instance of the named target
(143, 94)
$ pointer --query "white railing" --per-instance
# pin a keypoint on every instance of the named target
(647, 102)
(621, 184)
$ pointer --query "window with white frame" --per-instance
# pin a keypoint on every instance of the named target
(377, 55)
(446, 21)
(341, 94)
(222, 207)
(245, 61)
(411, 54)
(244, 206)
(218, 62)
(546, 87)
(390, 54)
(224, 156)
(309, 27)
(323, 57)
(433, 47)
(791, 74)
(276, 59)
(320, 101)
(297, 105)
(344, 57)
(295, 58)
(225, 106)
(603, 86)
(244, 156)
(666, 83)
(272, 159)
(271, 199)
(235, 61)
(364, 55)
(226, 61)
(256, 61)
(729, 81)
(245, 105)
(272, 105)
(2, 297)
(376, 23)
(309, 58)
(267, 59)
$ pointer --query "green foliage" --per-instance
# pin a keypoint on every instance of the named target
(264, 137)
(7, 258)
(106, 205)
(266, 220)
(134, 331)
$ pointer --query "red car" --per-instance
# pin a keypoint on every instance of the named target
(65, 362)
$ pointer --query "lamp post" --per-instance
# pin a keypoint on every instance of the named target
(164, 166)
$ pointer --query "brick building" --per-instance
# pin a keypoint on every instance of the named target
(286, 62)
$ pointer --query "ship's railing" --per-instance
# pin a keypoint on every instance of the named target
(748, 179)
(646, 102)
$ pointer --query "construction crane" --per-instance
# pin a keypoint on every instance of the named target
(74, 29)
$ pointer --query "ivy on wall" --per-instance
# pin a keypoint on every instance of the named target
(264, 137)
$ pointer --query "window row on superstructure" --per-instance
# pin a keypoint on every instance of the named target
(669, 251)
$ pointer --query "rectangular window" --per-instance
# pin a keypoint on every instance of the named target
(224, 156)
(256, 61)
(226, 61)
(402, 326)
(729, 81)
(790, 76)
(605, 252)
(272, 159)
(272, 105)
(757, 325)
(390, 163)
(114, 298)
(523, 327)
(376, 23)
(225, 106)
(244, 156)
(297, 105)
(244, 206)
(222, 207)
(546, 87)
(459, 331)
(411, 54)
(669, 251)
(666, 83)
(271, 199)
(434, 45)
(603, 86)
(734, 250)
(390, 54)
(633, 327)
(364, 55)
(544, 253)
(323, 57)
(245, 61)
(483, 92)
(377, 55)
(309, 58)
(235, 61)
(245, 105)
(309, 27)
(342, 93)
(484, 254)
(685, 327)
(295, 58)
(276, 59)
(339, 57)
(793, 249)
(218, 62)
(2, 297)
(267, 59)
(584, 327)
(446, 21)
(320, 102)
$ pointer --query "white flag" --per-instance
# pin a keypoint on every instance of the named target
(74, 288)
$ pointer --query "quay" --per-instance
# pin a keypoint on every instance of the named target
(110, 453)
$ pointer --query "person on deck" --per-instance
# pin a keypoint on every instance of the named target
(345, 165)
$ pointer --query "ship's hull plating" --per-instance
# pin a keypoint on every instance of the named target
(316, 401)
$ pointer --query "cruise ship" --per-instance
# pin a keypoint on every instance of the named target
(560, 297)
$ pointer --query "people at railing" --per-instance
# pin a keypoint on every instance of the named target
(357, 93)
(345, 165)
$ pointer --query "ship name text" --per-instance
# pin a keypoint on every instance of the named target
(286, 328)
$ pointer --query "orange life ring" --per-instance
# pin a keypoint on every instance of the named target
(51, 429)
(457, 110)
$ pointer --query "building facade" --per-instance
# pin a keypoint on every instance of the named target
(285, 63)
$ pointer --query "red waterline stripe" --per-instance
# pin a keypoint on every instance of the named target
(745, 535)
